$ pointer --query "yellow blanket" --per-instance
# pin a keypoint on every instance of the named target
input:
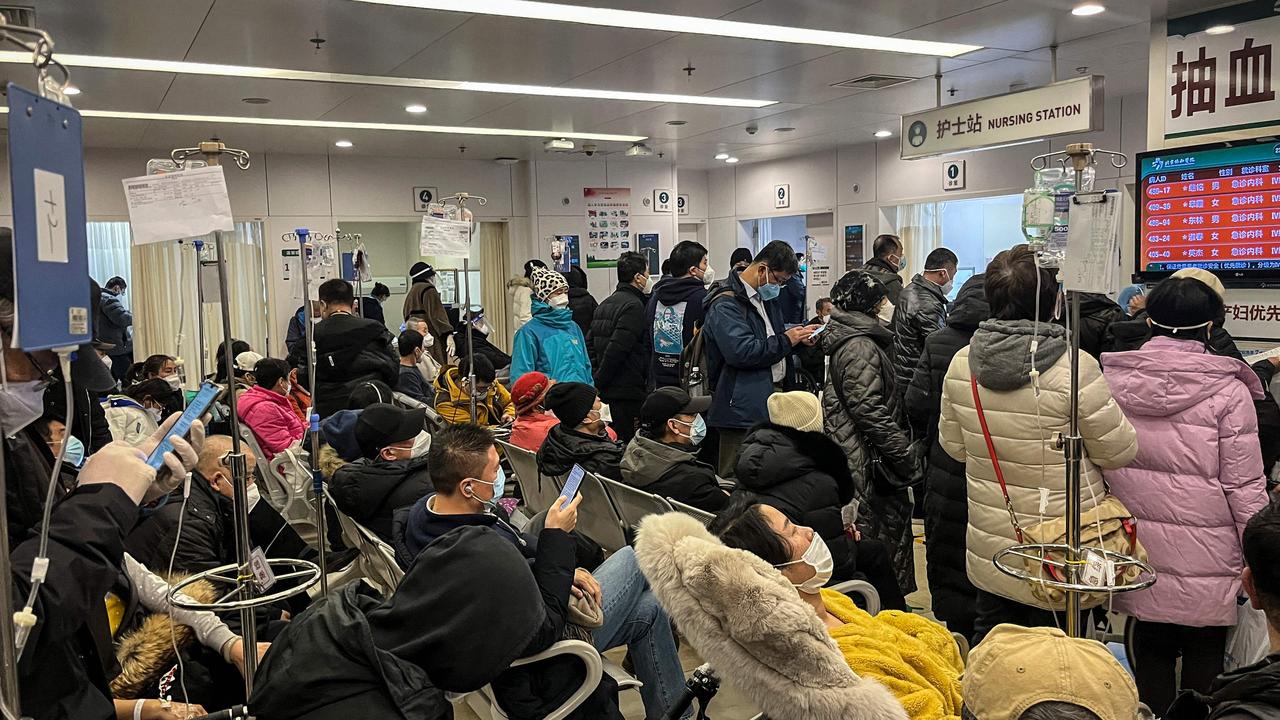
(915, 658)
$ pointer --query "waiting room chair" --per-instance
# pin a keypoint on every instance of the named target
(485, 704)
(598, 519)
(698, 514)
(377, 562)
(633, 503)
(539, 490)
(434, 421)
(285, 482)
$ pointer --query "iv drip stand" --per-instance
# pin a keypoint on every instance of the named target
(198, 244)
(313, 424)
(467, 216)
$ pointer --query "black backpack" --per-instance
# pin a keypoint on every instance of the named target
(694, 377)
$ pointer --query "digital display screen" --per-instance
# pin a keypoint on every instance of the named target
(1215, 207)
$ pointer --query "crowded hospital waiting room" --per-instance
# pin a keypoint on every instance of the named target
(618, 360)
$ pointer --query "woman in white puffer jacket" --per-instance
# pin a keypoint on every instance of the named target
(999, 356)
(520, 288)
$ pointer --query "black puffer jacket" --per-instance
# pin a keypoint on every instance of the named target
(1250, 693)
(616, 344)
(595, 453)
(918, 311)
(862, 410)
(804, 475)
(1097, 314)
(349, 350)
(581, 304)
(370, 491)
(946, 508)
(672, 471)
(888, 276)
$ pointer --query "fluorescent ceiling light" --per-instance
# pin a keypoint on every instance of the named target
(70, 90)
(731, 160)
(1220, 29)
(416, 109)
(684, 24)
(884, 133)
(344, 125)
(344, 144)
(244, 71)
(1089, 8)
(722, 156)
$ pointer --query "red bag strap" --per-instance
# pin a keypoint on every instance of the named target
(995, 461)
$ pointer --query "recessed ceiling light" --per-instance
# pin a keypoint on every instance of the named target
(731, 160)
(784, 129)
(1220, 29)
(344, 144)
(70, 90)
(416, 109)
(722, 156)
(1086, 9)
(255, 100)
(244, 71)
(884, 133)
(677, 123)
(684, 24)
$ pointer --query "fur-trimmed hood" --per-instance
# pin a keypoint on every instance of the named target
(744, 618)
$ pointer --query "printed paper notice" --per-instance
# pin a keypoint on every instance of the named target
(173, 206)
(1093, 236)
(450, 238)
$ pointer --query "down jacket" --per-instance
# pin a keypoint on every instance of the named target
(804, 475)
(521, 292)
(742, 614)
(453, 403)
(863, 415)
(671, 471)
(551, 343)
(271, 418)
(946, 511)
(617, 346)
(1197, 478)
(1023, 428)
(918, 311)
(565, 448)
(349, 350)
(888, 275)
(370, 491)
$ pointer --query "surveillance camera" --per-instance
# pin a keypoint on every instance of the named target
(752, 129)
(589, 149)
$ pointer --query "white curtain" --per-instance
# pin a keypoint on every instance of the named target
(109, 254)
(920, 227)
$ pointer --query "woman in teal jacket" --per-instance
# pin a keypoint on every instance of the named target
(551, 342)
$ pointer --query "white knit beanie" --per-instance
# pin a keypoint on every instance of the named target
(1205, 277)
(799, 410)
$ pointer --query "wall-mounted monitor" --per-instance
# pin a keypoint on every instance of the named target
(1215, 207)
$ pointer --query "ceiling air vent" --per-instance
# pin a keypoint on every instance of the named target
(21, 15)
(873, 82)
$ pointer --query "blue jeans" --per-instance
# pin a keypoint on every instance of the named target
(632, 617)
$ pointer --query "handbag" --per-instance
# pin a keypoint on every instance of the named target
(1112, 528)
(584, 616)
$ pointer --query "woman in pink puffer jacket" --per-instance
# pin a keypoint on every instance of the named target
(1196, 481)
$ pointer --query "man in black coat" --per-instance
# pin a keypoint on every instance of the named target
(946, 507)
(1097, 314)
(349, 350)
(581, 303)
(662, 458)
(393, 472)
(886, 263)
(918, 311)
(580, 438)
(616, 344)
(371, 304)
(812, 361)
(674, 310)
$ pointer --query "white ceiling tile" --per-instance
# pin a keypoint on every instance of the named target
(444, 107)
(873, 17)
(129, 28)
(207, 95)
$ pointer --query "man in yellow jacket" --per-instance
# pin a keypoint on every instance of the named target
(453, 396)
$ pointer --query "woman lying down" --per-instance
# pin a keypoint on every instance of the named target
(914, 658)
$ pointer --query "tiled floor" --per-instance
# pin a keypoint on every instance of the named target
(730, 703)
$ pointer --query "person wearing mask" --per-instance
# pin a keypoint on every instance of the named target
(423, 299)
(662, 458)
(886, 264)
(674, 311)
(244, 379)
(265, 408)
(411, 382)
(220, 374)
(617, 346)
(115, 324)
(134, 414)
(161, 367)
(581, 303)
(1025, 403)
(739, 259)
(749, 353)
(812, 361)
(392, 472)
(533, 421)
(299, 398)
(478, 342)
(918, 311)
(865, 417)
(468, 481)
(297, 329)
(792, 465)
(580, 438)
(1197, 448)
(371, 304)
(427, 365)
(349, 350)
(551, 342)
(792, 299)
(946, 509)
(454, 392)
(520, 289)
(1251, 692)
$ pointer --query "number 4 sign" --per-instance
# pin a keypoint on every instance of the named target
(782, 196)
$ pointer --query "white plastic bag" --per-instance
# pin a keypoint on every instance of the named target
(1247, 642)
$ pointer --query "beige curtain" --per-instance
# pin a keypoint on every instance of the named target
(494, 261)
(165, 299)
(920, 227)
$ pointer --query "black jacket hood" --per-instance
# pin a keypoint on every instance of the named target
(970, 307)
(845, 326)
(774, 454)
(674, 290)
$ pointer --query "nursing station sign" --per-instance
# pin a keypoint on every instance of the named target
(1068, 107)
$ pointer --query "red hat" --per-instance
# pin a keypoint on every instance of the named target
(528, 391)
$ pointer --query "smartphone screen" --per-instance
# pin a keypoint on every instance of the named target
(818, 332)
(571, 485)
(197, 407)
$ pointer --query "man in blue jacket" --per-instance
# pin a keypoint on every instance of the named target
(749, 348)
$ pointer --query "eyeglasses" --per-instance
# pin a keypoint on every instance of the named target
(46, 379)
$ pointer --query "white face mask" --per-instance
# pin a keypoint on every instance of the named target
(648, 285)
(818, 557)
(288, 388)
(421, 444)
(886, 312)
(174, 381)
(708, 277)
(559, 301)
(21, 405)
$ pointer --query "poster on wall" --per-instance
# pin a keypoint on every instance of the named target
(853, 250)
(1221, 82)
(648, 246)
(565, 253)
(608, 225)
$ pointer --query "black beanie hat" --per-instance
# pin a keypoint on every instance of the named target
(858, 291)
(570, 401)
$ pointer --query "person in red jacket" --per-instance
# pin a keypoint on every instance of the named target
(532, 419)
(266, 408)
